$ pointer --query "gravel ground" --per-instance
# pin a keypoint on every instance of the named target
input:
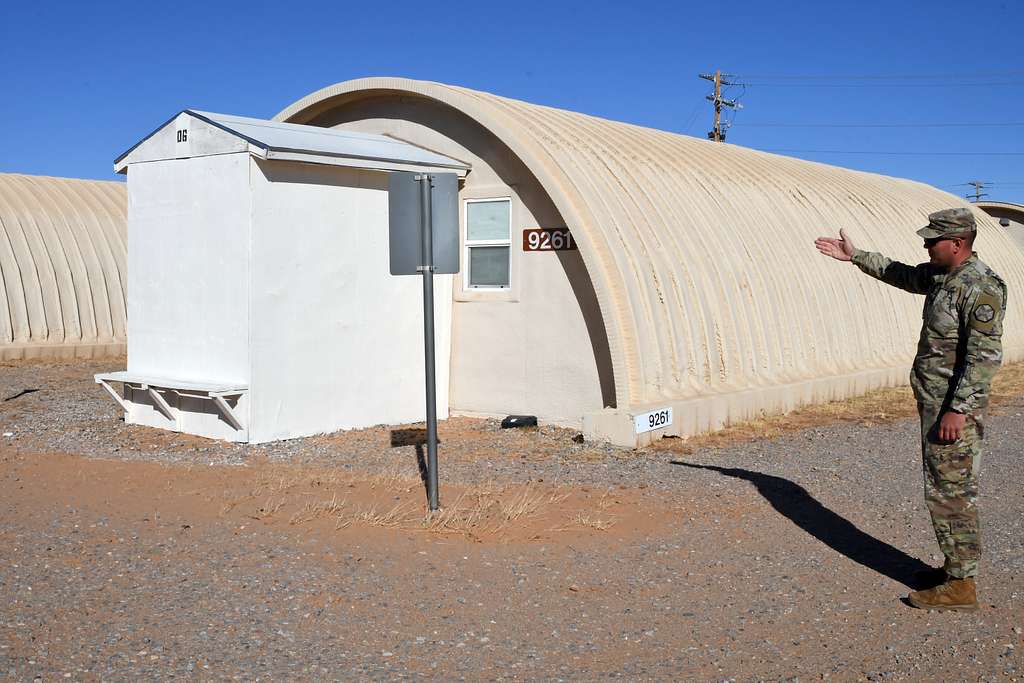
(779, 559)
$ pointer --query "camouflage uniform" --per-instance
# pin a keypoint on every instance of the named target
(958, 353)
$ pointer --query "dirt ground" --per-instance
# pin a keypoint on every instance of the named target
(134, 554)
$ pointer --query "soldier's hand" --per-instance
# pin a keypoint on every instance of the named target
(840, 249)
(951, 427)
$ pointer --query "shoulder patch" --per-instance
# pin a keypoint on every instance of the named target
(986, 312)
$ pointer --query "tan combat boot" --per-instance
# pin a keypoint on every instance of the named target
(955, 594)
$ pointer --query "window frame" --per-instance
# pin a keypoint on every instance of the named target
(468, 244)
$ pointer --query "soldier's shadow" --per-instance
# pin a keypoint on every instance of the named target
(794, 502)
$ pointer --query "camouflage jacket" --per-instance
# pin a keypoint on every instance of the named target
(960, 348)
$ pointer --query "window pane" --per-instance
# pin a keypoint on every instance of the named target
(488, 266)
(487, 220)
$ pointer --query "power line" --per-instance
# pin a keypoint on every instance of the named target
(991, 182)
(891, 77)
(951, 84)
(883, 125)
(888, 153)
(730, 88)
(691, 119)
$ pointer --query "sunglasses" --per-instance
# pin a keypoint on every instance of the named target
(929, 243)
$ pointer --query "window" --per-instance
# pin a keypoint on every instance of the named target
(488, 243)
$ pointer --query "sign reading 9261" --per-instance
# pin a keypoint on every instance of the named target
(548, 239)
(656, 419)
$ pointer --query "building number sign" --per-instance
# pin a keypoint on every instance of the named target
(548, 239)
(655, 419)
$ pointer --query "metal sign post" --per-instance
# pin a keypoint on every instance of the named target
(424, 239)
(427, 269)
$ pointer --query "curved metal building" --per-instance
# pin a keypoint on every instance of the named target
(1009, 216)
(696, 284)
(62, 267)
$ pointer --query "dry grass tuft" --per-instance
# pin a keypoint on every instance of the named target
(489, 489)
(526, 503)
(326, 508)
(268, 509)
(606, 500)
(491, 509)
(340, 498)
(394, 477)
(396, 517)
(277, 480)
(465, 515)
(598, 522)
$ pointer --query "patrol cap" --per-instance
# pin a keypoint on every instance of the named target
(948, 222)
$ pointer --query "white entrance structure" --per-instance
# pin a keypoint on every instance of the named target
(260, 304)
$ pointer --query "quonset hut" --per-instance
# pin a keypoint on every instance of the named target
(62, 267)
(1009, 216)
(694, 284)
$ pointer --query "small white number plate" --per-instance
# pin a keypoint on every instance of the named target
(656, 419)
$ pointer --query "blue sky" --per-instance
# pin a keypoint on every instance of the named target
(81, 82)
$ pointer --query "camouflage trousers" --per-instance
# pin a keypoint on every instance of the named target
(951, 490)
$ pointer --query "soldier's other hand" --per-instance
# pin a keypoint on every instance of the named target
(951, 427)
(840, 249)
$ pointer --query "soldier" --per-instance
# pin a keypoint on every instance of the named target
(958, 353)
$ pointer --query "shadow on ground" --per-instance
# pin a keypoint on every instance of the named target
(795, 503)
(414, 437)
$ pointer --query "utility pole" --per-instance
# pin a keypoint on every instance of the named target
(978, 185)
(718, 78)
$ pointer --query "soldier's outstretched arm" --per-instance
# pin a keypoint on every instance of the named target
(840, 249)
(916, 279)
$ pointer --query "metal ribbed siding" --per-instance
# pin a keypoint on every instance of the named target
(63, 248)
(702, 256)
(1013, 212)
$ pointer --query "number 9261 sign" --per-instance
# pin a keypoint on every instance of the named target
(656, 419)
(548, 239)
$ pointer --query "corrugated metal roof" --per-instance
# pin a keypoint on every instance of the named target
(701, 254)
(1014, 213)
(1009, 206)
(63, 264)
(276, 139)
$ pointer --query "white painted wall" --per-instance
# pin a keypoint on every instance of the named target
(188, 299)
(275, 274)
(336, 340)
(184, 137)
(528, 349)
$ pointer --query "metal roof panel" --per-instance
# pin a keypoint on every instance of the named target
(307, 143)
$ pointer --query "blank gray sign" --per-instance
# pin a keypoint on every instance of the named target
(405, 238)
